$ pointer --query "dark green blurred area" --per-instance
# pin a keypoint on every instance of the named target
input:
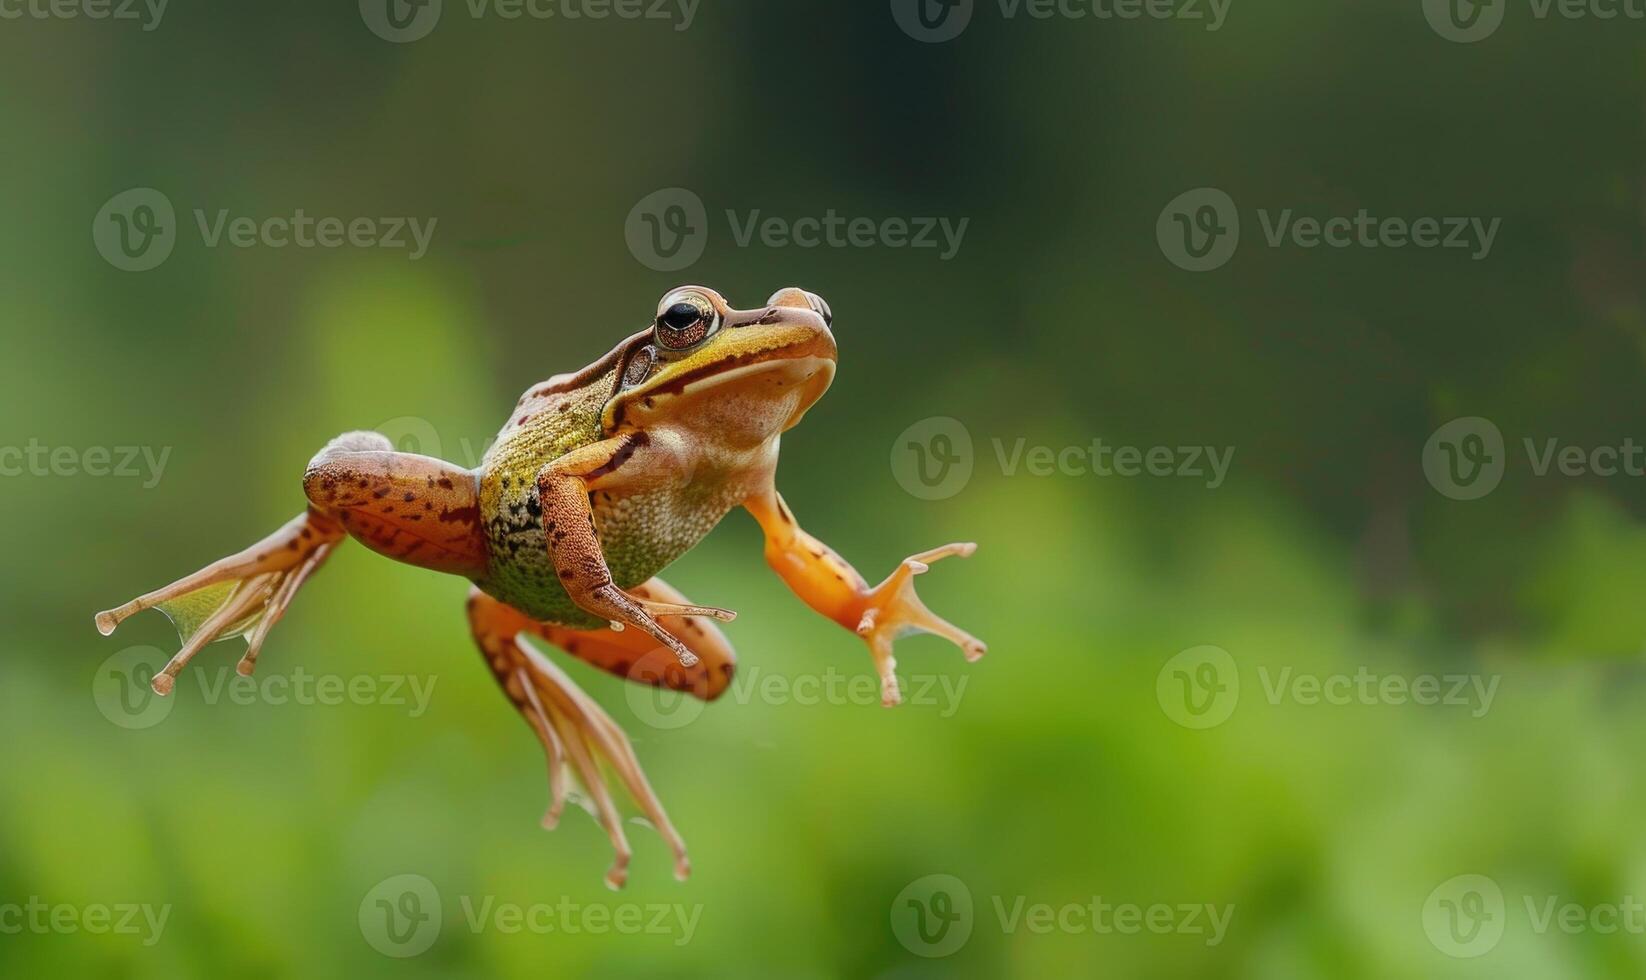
(1058, 776)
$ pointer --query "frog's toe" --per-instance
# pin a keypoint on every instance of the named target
(893, 609)
(244, 594)
(581, 742)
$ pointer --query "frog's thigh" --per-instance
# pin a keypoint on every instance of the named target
(634, 655)
(416, 509)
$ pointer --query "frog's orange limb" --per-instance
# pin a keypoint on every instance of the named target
(635, 656)
(831, 586)
(563, 489)
(574, 729)
(413, 508)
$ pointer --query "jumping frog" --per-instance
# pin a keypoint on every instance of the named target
(598, 481)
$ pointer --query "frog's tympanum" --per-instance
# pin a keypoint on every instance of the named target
(598, 481)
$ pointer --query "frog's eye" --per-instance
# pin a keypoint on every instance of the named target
(685, 319)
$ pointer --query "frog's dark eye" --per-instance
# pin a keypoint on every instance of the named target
(685, 319)
(639, 367)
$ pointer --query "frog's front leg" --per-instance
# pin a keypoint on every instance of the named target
(830, 585)
(563, 489)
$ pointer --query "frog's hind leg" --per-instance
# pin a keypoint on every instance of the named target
(410, 507)
(636, 656)
(579, 738)
(244, 594)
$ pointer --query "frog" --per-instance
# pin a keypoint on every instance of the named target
(598, 481)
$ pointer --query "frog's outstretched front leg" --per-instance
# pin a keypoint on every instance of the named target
(563, 489)
(576, 733)
(413, 508)
(830, 585)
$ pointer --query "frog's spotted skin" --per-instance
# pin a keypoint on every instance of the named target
(598, 481)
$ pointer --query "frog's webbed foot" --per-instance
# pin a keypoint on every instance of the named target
(244, 594)
(579, 739)
(829, 584)
(893, 609)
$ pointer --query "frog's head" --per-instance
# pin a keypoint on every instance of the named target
(745, 374)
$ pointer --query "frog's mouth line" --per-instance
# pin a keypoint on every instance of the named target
(806, 367)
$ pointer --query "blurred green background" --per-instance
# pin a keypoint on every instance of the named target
(1060, 771)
